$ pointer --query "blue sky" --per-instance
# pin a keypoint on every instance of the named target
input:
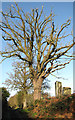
(63, 11)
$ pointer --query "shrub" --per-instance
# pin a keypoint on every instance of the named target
(5, 93)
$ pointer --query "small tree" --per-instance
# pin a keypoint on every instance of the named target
(19, 80)
(37, 42)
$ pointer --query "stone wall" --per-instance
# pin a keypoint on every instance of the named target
(59, 91)
(66, 90)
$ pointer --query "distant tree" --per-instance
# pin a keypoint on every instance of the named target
(5, 93)
(19, 80)
(16, 101)
(21, 100)
(20, 97)
(13, 102)
(19, 77)
(35, 39)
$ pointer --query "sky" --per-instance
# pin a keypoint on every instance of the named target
(63, 11)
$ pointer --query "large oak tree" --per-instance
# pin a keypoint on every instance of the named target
(36, 40)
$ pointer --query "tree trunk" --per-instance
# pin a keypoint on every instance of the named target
(37, 89)
(25, 100)
(24, 104)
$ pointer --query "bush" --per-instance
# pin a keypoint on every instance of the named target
(5, 93)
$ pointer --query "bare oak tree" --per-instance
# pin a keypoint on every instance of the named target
(36, 40)
(19, 80)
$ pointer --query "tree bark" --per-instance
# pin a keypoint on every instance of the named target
(24, 104)
(25, 100)
(37, 89)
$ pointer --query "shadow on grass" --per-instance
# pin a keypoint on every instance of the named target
(13, 114)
